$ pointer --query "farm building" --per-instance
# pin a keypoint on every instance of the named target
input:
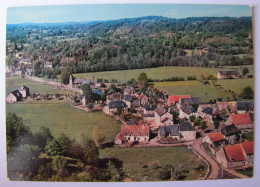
(25, 91)
(76, 82)
(133, 133)
(115, 97)
(162, 116)
(228, 75)
(186, 111)
(226, 107)
(173, 99)
(14, 96)
(231, 132)
(241, 121)
(206, 114)
(129, 91)
(169, 131)
(243, 107)
(187, 131)
(143, 99)
(128, 100)
(214, 139)
(48, 65)
(113, 106)
(237, 155)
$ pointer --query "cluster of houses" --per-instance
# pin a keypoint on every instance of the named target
(17, 95)
(237, 118)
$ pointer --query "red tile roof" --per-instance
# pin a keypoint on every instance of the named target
(120, 137)
(175, 98)
(248, 147)
(216, 137)
(234, 153)
(134, 129)
(239, 119)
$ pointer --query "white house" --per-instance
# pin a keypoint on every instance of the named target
(187, 131)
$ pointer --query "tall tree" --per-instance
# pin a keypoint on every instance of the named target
(143, 79)
(98, 136)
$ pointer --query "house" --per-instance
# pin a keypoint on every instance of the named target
(228, 75)
(133, 133)
(173, 99)
(149, 109)
(76, 82)
(226, 107)
(241, 121)
(128, 100)
(115, 97)
(129, 91)
(25, 91)
(14, 96)
(25, 62)
(206, 114)
(148, 117)
(243, 107)
(214, 139)
(97, 91)
(47, 65)
(112, 107)
(162, 116)
(231, 132)
(203, 106)
(233, 156)
(187, 131)
(169, 131)
(186, 111)
(143, 99)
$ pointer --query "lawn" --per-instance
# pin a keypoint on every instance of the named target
(236, 85)
(154, 73)
(138, 163)
(61, 117)
(13, 83)
(193, 88)
(248, 171)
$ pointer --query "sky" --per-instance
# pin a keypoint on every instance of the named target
(77, 13)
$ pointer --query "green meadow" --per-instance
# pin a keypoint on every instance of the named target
(13, 83)
(139, 164)
(61, 117)
(154, 73)
(193, 88)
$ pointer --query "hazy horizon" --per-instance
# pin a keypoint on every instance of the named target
(106, 12)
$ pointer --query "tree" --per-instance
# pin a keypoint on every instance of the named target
(90, 151)
(247, 93)
(245, 71)
(42, 137)
(203, 125)
(114, 174)
(15, 129)
(166, 172)
(216, 124)
(65, 77)
(87, 92)
(143, 79)
(98, 136)
(60, 164)
(90, 106)
(53, 148)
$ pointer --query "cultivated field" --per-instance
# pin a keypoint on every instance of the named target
(154, 73)
(139, 164)
(193, 88)
(61, 117)
(13, 83)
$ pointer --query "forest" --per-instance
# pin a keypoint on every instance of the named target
(133, 43)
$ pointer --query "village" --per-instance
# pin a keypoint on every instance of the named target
(152, 118)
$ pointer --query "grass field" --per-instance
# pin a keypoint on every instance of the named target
(137, 162)
(154, 73)
(61, 117)
(193, 88)
(236, 85)
(13, 83)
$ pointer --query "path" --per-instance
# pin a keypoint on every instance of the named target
(199, 149)
(53, 83)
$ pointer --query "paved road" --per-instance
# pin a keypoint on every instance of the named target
(214, 169)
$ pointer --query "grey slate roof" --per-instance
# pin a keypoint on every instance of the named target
(172, 130)
(192, 100)
(245, 106)
(17, 94)
(128, 98)
(187, 109)
(116, 104)
(131, 122)
(229, 130)
(208, 110)
(160, 110)
(23, 88)
(186, 126)
(149, 107)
